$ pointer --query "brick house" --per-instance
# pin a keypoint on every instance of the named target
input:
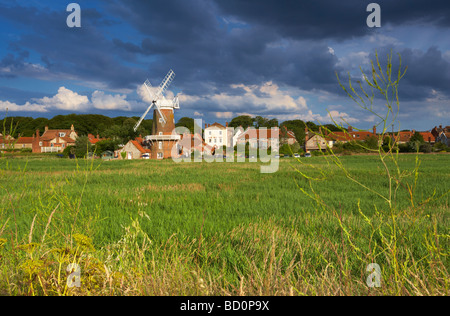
(350, 135)
(54, 140)
(193, 142)
(94, 139)
(287, 136)
(260, 138)
(441, 134)
(133, 150)
(19, 143)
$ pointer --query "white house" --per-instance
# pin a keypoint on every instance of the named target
(217, 135)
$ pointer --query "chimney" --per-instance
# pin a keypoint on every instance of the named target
(226, 124)
(374, 130)
(440, 126)
(206, 126)
(37, 133)
(72, 128)
(350, 129)
(320, 130)
(46, 128)
(413, 131)
(306, 134)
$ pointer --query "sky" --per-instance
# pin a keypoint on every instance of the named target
(276, 59)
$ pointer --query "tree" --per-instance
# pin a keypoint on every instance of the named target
(298, 127)
(417, 137)
(82, 147)
(244, 120)
(186, 122)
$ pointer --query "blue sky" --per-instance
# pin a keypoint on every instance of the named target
(276, 59)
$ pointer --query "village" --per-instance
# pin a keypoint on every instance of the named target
(215, 139)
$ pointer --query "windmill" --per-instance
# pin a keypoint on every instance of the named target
(158, 99)
(161, 141)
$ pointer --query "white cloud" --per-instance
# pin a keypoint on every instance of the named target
(69, 100)
(198, 113)
(336, 116)
(264, 98)
(27, 107)
(65, 99)
(103, 101)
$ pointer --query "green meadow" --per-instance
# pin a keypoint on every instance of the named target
(164, 228)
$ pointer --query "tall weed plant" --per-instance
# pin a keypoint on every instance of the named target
(399, 251)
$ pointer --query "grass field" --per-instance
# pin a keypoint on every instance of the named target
(161, 228)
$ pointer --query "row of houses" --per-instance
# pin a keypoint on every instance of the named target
(52, 140)
(320, 141)
(215, 137)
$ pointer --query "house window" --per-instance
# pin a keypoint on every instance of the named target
(62, 134)
(40, 144)
(215, 140)
(160, 133)
(160, 145)
(63, 145)
(160, 155)
(220, 133)
(209, 133)
(51, 145)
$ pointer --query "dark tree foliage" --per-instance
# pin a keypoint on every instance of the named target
(84, 124)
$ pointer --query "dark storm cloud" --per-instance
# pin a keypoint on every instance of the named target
(318, 19)
(214, 44)
(71, 53)
(426, 71)
(193, 38)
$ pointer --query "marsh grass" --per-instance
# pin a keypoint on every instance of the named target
(201, 231)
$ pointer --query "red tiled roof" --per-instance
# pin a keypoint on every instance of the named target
(428, 136)
(68, 139)
(25, 140)
(139, 147)
(255, 133)
(349, 136)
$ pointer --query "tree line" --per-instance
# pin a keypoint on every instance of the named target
(121, 127)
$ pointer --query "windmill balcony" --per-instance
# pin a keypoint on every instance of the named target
(162, 137)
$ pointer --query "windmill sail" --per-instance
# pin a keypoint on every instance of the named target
(162, 89)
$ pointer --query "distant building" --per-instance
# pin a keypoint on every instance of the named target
(317, 141)
(217, 135)
(350, 135)
(20, 143)
(441, 134)
(287, 136)
(54, 140)
(94, 139)
(133, 150)
(260, 138)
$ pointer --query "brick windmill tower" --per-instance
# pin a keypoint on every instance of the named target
(161, 141)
